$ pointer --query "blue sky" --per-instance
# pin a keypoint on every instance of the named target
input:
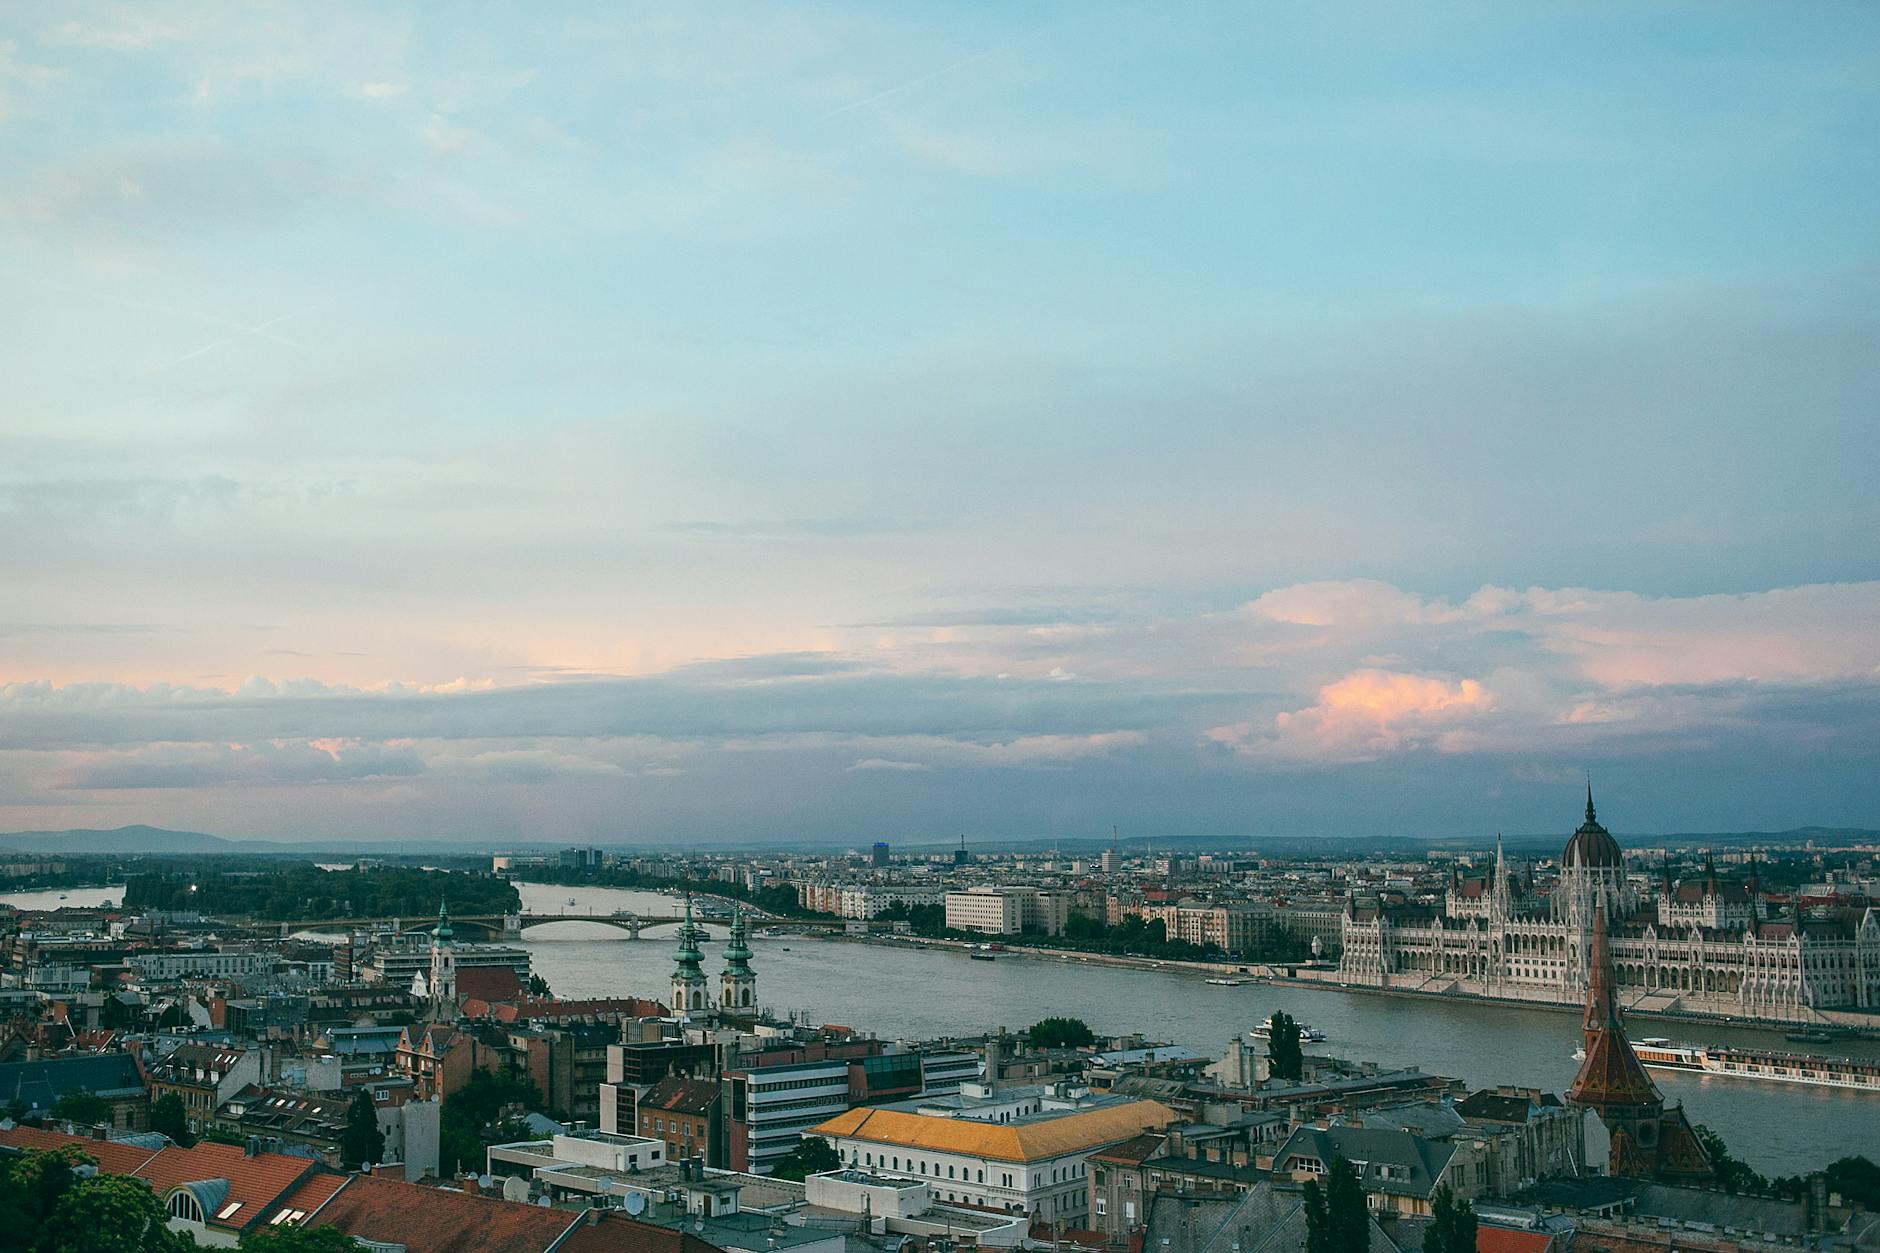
(865, 420)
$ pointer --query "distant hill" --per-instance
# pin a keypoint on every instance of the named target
(120, 841)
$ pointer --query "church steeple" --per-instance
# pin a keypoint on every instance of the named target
(737, 982)
(441, 987)
(1647, 1140)
(1592, 817)
(688, 979)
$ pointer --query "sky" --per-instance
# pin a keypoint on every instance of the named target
(852, 421)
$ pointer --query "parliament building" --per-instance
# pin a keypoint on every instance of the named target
(1703, 946)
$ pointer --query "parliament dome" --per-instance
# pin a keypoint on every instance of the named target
(1592, 845)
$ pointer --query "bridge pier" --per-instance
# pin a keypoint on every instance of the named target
(512, 926)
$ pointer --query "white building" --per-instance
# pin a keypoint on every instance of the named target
(1009, 910)
(1025, 1150)
(202, 964)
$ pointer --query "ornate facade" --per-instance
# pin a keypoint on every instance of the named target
(1701, 946)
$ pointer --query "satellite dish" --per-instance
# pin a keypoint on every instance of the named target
(515, 1189)
(542, 1201)
(636, 1204)
(484, 1181)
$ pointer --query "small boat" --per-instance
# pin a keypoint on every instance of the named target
(571, 900)
(982, 957)
(1226, 983)
(61, 896)
(1307, 1033)
(1810, 1036)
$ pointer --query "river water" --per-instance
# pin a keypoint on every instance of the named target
(921, 993)
(915, 993)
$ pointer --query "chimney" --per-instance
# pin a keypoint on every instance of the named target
(251, 1146)
(98, 1132)
(471, 1186)
(594, 1215)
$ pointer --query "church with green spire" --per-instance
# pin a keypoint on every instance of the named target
(688, 976)
(737, 983)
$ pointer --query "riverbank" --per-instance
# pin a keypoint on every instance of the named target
(1279, 977)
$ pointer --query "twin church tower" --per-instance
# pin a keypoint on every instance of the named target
(737, 982)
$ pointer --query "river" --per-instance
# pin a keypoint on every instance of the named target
(913, 993)
(921, 993)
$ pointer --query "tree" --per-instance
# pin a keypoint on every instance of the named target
(82, 1107)
(110, 1214)
(811, 1156)
(1452, 1229)
(32, 1185)
(473, 1118)
(1732, 1176)
(538, 986)
(294, 1238)
(1287, 1060)
(1856, 1179)
(1061, 1033)
(168, 1116)
(362, 1141)
(1337, 1220)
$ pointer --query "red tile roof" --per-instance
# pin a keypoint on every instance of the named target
(113, 1157)
(489, 983)
(616, 1233)
(258, 1183)
(316, 1191)
(1507, 1240)
(432, 1220)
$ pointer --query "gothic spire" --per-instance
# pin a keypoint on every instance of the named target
(442, 932)
(1592, 819)
(1611, 1076)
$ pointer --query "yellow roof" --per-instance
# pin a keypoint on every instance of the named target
(1010, 1142)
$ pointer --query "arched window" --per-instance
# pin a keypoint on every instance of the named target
(183, 1205)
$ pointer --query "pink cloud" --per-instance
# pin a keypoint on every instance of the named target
(1366, 714)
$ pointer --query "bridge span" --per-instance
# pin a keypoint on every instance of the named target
(626, 924)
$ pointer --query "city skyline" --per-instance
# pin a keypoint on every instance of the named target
(1012, 420)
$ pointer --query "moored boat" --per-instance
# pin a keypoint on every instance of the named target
(1307, 1032)
(1858, 1074)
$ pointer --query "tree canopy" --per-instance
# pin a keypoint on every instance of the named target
(1452, 1225)
(168, 1116)
(82, 1107)
(1337, 1219)
(1286, 1057)
(1061, 1033)
(306, 891)
(362, 1142)
(45, 1207)
(294, 1238)
(474, 1117)
(812, 1155)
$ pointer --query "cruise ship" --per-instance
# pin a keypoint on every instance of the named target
(1859, 1073)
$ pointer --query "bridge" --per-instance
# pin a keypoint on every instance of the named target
(511, 926)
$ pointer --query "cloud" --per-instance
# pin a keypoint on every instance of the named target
(168, 766)
(884, 763)
(1364, 715)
